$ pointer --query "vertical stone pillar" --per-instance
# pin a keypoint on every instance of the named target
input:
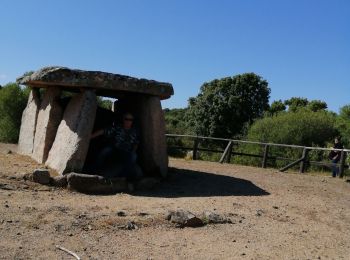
(153, 151)
(72, 140)
(49, 117)
(29, 118)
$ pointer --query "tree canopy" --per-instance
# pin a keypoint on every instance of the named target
(224, 106)
(343, 124)
(303, 127)
(13, 100)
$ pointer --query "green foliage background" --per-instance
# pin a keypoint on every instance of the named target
(225, 106)
(13, 100)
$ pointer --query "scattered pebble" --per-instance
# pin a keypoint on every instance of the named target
(259, 213)
(121, 214)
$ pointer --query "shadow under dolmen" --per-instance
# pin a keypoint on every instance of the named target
(189, 183)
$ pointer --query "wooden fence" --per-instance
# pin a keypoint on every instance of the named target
(228, 152)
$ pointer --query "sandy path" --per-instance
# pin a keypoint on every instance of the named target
(274, 215)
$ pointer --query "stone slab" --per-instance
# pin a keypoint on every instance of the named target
(41, 176)
(105, 84)
(72, 140)
(28, 124)
(49, 118)
(95, 184)
(153, 150)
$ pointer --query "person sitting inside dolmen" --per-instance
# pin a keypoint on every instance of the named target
(118, 158)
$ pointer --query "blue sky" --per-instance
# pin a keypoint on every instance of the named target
(301, 47)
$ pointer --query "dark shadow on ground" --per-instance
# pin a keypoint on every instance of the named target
(188, 183)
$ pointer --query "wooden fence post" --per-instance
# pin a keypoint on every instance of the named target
(195, 149)
(229, 154)
(265, 156)
(342, 162)
(226, 152)
(304, 161)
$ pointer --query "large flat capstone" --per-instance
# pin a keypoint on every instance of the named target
(105, 84)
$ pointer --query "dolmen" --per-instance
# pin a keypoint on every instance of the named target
(56, 130)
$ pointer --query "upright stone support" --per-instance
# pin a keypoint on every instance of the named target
(50, 115)
(72, 140)
(28, 124)
(153, 152)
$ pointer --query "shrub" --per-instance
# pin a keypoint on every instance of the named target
(13, 100)
(304, 128)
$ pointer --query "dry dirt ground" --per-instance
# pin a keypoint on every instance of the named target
(274, 216)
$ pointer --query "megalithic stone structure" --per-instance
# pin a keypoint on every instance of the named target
(49, 117)
(28, 124)
(67, 152)
(153, 154)
(71, 144)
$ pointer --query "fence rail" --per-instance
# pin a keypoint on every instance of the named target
(228, 152)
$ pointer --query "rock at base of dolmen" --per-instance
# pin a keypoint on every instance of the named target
(95, 184)
(28, 123)
(71, 144)
(49, 117)
(41, 176)
(59, 181)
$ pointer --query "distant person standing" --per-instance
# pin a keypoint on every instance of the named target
(334, 156)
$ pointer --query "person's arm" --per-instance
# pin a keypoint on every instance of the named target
(97, 133)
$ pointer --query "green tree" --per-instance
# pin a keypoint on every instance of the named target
(13, 100)
(343, 124)
(276, 107)
(296, 103)
(303, 127)
(224, 106)
(317, 105)
(174, 120)
(104, 103)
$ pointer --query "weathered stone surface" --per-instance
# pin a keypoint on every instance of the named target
(71, 144)
(28, 124)
(95, 184)
(106, 84)
(153, 152)
(59, 181)
(49, 117)
(41, 176)
(211, 217)
(184, 218)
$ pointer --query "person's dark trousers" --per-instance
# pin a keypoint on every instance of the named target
(128, 162)
(335, 169)
(104, 157)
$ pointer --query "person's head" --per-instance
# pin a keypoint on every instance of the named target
(337, 139)
(128, 119)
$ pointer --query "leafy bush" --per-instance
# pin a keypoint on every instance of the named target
(13, 100)
(343, 125)
(175, 122)
(304, 128)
